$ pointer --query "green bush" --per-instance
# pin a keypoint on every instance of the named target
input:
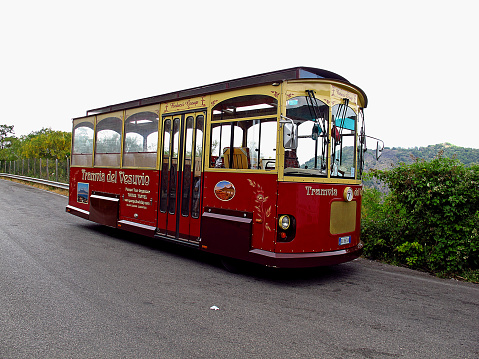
(412, 254)
(428, 220)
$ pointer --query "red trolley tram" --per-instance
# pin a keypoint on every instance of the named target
(265, 168)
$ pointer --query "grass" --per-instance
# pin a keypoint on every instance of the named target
(469, 275)
(63, 192)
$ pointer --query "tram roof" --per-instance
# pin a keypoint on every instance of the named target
(294, 73)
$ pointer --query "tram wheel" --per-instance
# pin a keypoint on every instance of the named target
(232, 265)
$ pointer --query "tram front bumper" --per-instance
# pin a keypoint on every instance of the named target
(305, 260)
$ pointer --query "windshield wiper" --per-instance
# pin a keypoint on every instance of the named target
(317, 114)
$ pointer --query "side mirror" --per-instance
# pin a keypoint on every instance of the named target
(379, 150)
(316, 131)
(379, 145)
(290, 136)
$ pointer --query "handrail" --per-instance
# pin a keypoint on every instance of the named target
(44, 182)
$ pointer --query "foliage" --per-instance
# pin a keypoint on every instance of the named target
(46, 144)
(11, 149)
(8, 143)
(5, 139)
(428, 220)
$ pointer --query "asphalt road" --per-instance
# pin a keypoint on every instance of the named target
(72, 289)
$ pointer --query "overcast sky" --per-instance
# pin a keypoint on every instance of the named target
(416, 60)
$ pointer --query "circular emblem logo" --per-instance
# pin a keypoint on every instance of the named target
(348, 194)
(224, 190)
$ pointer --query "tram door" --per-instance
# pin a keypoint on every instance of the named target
(181, 171)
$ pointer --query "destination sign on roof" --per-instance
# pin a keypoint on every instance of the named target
(338, 92)
(184, 105)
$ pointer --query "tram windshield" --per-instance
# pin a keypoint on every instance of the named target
(343, 135)
(310, 119)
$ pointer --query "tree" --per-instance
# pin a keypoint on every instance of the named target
(11, 150)
(46, 143)
(429, 219)
(8, 143)
(5, 131)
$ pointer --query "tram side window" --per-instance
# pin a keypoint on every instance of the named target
(343, 137)
(248, 144)
(245, 138)
(141, 140)
(82, 142)
(245, 106)
(108, 142)
(261, 141)
(222, 139)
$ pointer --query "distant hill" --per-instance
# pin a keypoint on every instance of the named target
(394, 155)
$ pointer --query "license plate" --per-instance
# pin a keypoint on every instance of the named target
(344, 240)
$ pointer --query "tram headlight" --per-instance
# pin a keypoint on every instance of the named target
(284, 222)
(286, 228)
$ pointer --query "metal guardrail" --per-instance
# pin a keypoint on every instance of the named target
(44, 182)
